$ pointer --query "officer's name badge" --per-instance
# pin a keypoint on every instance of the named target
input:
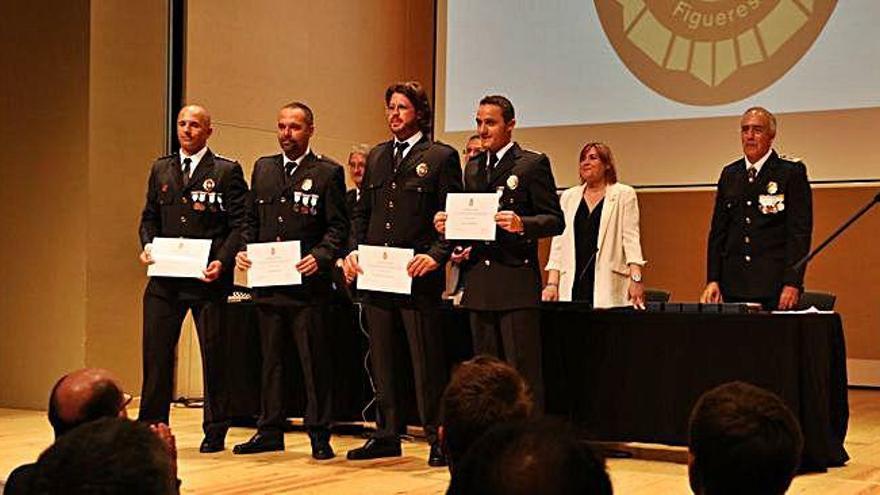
(422, 169)
(512, 182)
(771, 203)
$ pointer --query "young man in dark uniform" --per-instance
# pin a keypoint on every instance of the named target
(406, 183)
(762, 223)
(198, 195)
(502, 278)
(296, 195)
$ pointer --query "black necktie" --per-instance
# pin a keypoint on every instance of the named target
(493, 160)
(186, 170)
(753, 172)
(289, 167)
(399, 147)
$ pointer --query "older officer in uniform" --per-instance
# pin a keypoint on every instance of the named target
(193, 194)
(405, 184)
(357, 164)
(502, 278)
(762, 223)
(296, 195)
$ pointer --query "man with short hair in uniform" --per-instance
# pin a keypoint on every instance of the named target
(406, 183)
(762, 223)
(296, 195)
(502, 278)
(193, 194)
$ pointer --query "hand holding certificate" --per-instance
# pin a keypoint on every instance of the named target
(273, 263)
(385, 269)
(471, 216)
(179, 257)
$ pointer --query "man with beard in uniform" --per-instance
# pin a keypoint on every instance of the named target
(192, 194)
(296, 195)
(762, 223)
(406, 183)
(502, 279)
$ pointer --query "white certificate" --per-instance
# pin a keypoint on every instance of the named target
(471, 216)
(273, 263)
(179, 257)
(384, 269)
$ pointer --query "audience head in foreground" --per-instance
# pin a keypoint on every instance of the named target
(109, 455)
(542, 457)
(83, 396)
(743, 439)
(482, 393)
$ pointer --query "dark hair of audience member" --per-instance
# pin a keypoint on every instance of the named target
(530, 458)
(105, 401)
(482, 392)
(507, 111)
(109, 455)
(417, 95)
(743, 439)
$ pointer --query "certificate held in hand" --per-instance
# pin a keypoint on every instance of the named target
(179, 257)
(273, 263)
(471, 216)
(384, 269)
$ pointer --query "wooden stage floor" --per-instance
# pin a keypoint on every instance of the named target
(24, 434)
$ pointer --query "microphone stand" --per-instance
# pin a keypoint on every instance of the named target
(800, 264)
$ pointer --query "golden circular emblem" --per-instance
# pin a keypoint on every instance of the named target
(307, 185)
(711, 52)
(422, 169)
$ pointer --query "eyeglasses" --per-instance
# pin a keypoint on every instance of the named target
(126, 401)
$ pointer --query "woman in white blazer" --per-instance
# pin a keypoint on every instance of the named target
(598, 257)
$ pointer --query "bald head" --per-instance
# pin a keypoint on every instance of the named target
(83, 396)
(193, 128)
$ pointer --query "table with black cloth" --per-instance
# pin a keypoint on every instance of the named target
(627, 376)
(621, 375)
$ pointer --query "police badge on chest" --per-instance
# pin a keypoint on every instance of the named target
(206, 198)
(304, 202)
(772, 202)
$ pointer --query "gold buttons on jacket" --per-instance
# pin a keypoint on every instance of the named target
(748, 259)
(387, 225)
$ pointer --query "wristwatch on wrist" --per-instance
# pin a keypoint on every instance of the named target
(635, 277)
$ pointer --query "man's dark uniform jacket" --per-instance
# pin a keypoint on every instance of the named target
(760, 230)
(351, 199)
(397, 209)
(505, 274)
(210, 205)
(308, 206)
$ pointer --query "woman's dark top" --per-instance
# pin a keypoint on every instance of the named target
(586, 236)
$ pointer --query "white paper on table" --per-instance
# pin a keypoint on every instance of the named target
(273, 263)
(179, 257)
(471, 216)
(384, 269)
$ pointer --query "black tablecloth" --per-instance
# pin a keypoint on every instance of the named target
(621, 375)
(628, 376)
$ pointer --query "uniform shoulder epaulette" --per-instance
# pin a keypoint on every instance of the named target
(218, 155)
(791, 158)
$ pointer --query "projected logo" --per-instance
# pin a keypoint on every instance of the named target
(711, 52)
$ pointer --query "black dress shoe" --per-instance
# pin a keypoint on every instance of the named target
(211, 444)
(321, 450)
(374, 449)
(260, 443)
(436, 458)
